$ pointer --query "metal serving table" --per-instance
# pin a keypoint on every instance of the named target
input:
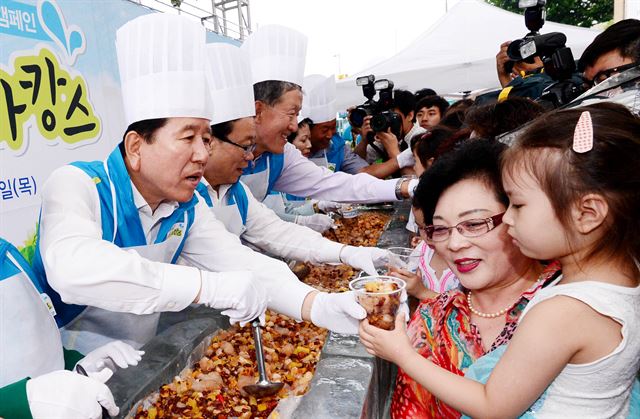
(348, 382)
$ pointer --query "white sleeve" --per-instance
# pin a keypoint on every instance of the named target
(87, 270)
(302, 177)
(212, 248)
(264, 229)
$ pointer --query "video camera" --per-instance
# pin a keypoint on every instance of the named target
(556, 57)
(383, 117)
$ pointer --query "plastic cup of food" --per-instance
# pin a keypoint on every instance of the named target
(380, 296)
(349, 211)
(404, 258)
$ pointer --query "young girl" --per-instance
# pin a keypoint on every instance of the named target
(573, 184)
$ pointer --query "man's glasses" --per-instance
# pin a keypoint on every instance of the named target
(468, 228)
(248, 149)
(605, 74)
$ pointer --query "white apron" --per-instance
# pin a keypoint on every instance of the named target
(257, 183)
(30, 342)
(229, 215)
(95, 327)
(323, 162)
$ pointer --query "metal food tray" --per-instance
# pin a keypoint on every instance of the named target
(348, 382)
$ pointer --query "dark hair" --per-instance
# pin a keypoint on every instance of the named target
(222, 129)
(301, 124)
(270, 91)
(404, 101)
(431, 101)
(610, 169)
(454, 116)
(479, 159)
(493, 119)
(454, 141)
(145, 128)
(623, 36)
(419, 94)
(428, 143)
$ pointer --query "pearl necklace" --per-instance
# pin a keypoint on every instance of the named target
(487, 315)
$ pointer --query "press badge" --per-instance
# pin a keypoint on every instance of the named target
(48, 303)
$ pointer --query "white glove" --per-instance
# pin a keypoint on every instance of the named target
(364, 258)
(328, 206)
(64, 394)
(405, 159)
(317, 222)
(338, 312)
(237, 293)
(116, 353)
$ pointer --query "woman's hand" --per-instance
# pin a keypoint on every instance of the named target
(392, 345)
(415, 286)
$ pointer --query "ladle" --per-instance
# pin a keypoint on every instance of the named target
(263, 387)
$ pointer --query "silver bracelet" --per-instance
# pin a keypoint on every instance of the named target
(340, 254)
(398, 190)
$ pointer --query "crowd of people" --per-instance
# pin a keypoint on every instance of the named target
(528, 283)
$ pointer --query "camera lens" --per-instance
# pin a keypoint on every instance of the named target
(356, 117)
(513, 50)
(379, 122)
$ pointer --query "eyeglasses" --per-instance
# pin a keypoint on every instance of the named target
(248, 149)
(605, 74)
(468, 228)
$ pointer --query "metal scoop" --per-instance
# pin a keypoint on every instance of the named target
(263, 387)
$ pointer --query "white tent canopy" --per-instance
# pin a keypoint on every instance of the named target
(458, 52)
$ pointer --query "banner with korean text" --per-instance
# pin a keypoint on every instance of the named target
(60, 97)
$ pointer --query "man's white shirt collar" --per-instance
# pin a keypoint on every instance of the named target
(165, 208)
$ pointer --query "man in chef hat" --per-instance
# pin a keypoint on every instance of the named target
(327, 148)
(277, 56)
(231, 201)
(115, 236)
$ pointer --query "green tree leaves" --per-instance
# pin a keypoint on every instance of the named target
(585, 13)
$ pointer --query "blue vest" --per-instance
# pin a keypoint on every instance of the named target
(236, 196)
(267, 161)
(335, 152)
(114, 186)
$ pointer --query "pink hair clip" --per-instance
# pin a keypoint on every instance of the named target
(583, 134)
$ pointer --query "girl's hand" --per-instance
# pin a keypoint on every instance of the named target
(415, 286)
(392, 345)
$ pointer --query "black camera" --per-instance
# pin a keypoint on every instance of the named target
(383, 117)
(551, 48)
(556, 57)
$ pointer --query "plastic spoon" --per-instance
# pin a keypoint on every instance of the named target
(263, 387)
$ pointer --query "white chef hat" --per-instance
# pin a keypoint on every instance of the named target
(321, 98)
(276, 53)
(161, 63)
(229, 78)
(308, 84)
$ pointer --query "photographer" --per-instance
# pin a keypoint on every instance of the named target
(525, 78)
(613, 51)
(404, 103)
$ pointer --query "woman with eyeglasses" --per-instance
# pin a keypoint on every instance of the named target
(459, 205)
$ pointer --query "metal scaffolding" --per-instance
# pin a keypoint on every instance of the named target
(231, 18)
